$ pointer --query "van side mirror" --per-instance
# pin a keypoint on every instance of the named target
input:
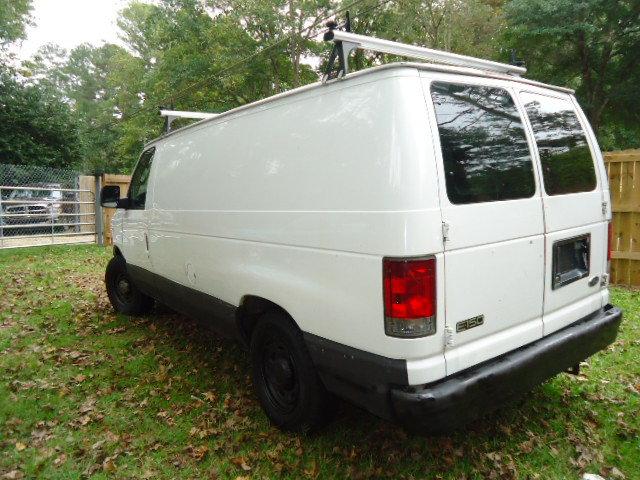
(110, 197)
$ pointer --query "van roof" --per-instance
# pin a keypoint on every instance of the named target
(433, 67)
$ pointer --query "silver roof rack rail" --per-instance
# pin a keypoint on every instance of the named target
(346, 42)
(171, 115)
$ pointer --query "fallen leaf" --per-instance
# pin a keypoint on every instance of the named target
(241, 462)
(527, 446)
(200, 452)
(313, 471)
(108, 465)
(617, 473)
(210, 396)
(13, 475)
(20, 446)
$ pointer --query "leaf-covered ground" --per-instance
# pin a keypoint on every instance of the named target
(88, 394)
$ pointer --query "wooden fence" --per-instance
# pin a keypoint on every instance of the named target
(107, 213)
(624, 181)
(123, 182)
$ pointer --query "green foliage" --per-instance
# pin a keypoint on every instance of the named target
(188, 54)
(14, 17)
(36, 128)
(471, 27)
(280, 23)
(590, 45)
(185, 54)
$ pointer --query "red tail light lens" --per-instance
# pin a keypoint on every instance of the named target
(409, 297)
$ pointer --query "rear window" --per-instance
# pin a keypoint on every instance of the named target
(484, 147)
(567, 165)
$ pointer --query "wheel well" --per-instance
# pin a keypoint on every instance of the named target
(250, 310)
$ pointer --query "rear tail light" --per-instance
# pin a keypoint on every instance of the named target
(409, 297)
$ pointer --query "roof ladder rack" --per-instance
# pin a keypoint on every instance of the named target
(346, 42)
(171, 115)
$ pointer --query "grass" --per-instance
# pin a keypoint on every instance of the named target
(85, 393)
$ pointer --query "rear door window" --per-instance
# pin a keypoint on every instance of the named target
(567, 165)
(484, 146)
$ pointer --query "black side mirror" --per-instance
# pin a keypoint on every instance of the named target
(110, 196)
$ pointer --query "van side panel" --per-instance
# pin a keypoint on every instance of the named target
(298, 201)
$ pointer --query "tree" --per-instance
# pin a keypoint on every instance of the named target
(590, 45)
(36, 128)
(471, 27)
(14, 18)
(96, 83)
(286, 27)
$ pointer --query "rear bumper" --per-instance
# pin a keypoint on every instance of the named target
(454, 401)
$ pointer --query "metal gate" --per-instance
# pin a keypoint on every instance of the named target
(46, 214)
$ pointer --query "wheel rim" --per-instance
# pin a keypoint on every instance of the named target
(279, 375)
(123, 288)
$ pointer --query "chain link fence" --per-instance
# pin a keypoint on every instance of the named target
(40, 206)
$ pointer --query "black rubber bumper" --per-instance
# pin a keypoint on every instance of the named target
(455, 401)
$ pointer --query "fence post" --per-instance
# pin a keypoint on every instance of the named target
(52, 228)
(76, 207)
(98, 211)
(1, 221)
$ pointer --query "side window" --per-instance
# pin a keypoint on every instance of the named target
(140, 179)
(567, 166)
(484, 146)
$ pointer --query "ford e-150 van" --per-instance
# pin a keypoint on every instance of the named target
(427, 241)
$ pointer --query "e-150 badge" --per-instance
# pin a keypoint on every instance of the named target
(469, 323)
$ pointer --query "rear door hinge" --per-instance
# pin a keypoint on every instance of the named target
(448, 337)
(604, 208)
(445, 232)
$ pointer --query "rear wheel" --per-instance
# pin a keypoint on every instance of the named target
(286, 382)
(125, 297)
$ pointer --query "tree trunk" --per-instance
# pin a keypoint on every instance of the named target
(295, 54)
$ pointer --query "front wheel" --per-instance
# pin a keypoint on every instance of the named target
(125, 297)
(285, 380)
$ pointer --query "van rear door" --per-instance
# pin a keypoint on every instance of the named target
(492, 221)
(575, 211)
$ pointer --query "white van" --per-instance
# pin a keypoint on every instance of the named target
(426, 241)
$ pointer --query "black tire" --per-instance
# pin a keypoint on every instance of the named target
(284, 377)
(125, 297)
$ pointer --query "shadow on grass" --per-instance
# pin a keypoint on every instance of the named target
(376, 445)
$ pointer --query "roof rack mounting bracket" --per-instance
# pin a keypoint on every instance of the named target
(341, 51)
(171, 115)
(346, 42)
